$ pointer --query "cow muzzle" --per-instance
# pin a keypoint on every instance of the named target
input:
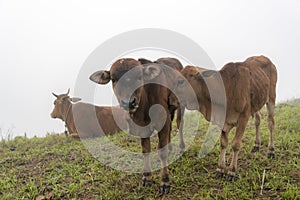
(53, 115)
(130, 105)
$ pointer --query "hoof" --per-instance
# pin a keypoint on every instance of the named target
(164, 189)
(182, 147)
(271, 155)
(12, 148)
(146, 182)
(181, 150)
(255, 149)
(231, 177)
(219, 174)
(170, 147)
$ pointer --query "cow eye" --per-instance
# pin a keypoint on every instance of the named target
(180, 81)
(63, 100)
(113, 80)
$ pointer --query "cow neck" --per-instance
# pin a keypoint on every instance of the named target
(68, 117)
(205, 102)
(216, 99)
(141, 114)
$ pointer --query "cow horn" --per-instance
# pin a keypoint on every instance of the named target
(55, 94)
(68, 91)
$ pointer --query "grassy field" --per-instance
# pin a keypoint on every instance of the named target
(57, 167)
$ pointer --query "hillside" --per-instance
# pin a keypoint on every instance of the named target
(57, 167)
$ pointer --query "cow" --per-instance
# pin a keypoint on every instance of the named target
(79, 117)
(247, 86)
(173, 103)
(136, 90)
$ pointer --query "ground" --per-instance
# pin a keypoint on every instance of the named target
(58, 167)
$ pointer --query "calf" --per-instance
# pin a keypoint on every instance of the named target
(173, 101)
(136, 89)
(248, 85)
(80, 119)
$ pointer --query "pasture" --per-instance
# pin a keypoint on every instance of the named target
(57, 167)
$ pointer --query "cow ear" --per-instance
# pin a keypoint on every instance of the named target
(100, 77)
(208, 73)
(75, 99)
(151, 72)
(144, 61)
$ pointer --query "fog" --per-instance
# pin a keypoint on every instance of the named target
(43, 45)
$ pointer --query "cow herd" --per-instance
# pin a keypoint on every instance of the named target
(150, 92)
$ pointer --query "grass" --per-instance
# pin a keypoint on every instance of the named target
(57, 167)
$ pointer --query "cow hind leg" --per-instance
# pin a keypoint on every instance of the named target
(257, 117)
(236, 146)
(74, 135)
(271, 123)
(180, 122)
(172, 114)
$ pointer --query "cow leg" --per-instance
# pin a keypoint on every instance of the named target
(180, 121)
(257, 117)
(172, 114)
(223, 146)
(163, 137)
(271, 109)
(146, 148)
(74, 135)
(236, 145)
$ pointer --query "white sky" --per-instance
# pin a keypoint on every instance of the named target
(44, 43)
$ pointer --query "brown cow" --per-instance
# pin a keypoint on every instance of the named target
(248, 85)
(174, 104)
(135, 88)
(80, 117)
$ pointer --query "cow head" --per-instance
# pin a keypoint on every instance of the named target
(196, 78)
(62, 104)
(128, 77)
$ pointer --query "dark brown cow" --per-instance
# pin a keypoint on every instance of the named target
(173, 103)
(248, 85)
(79, 117)
(136, 92)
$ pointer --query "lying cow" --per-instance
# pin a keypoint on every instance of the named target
(173, 103)
(248, 85)
(136, 91)
(85, 120)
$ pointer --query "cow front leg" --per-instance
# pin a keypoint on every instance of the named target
(236, 146)
(146, 148)
(223, 146)
(163, 137)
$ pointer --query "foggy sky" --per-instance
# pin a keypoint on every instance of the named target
(43, 45)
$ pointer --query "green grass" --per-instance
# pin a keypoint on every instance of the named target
(58, 167)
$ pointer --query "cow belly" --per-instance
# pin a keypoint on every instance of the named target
(259, 90)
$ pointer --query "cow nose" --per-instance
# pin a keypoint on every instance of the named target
(132, 102)
(53, 115)
(124, 104)
(129, 105)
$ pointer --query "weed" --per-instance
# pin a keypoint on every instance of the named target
(63, 168)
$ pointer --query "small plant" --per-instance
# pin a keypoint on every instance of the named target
(61, 168)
